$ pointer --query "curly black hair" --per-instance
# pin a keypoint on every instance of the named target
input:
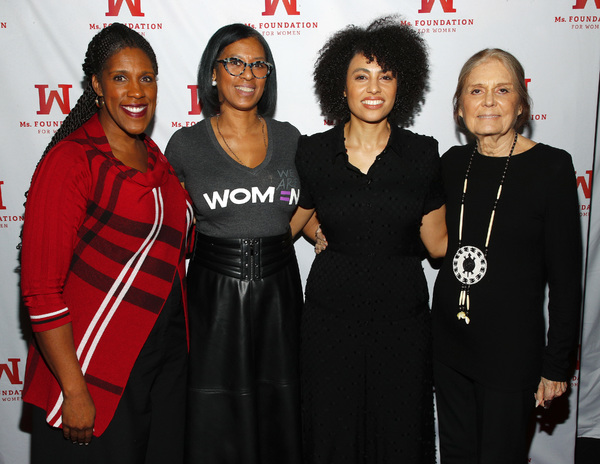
(395, 46)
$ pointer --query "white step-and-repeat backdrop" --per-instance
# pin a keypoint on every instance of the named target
(43, 46)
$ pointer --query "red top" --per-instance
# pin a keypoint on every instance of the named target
(102, 246)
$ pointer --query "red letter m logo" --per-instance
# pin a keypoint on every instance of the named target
(580, 4)
(13, 376)
(46, 103)
(196, 108)
(271, 6)
(135, 7)
(426, 6)
(586, 186)
(1, 204)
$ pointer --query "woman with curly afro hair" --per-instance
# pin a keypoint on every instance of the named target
(366, 357)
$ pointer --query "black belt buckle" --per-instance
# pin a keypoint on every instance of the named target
(251, 268)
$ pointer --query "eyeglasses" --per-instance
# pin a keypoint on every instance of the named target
(236, 67)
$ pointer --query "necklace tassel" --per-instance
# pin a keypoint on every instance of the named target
(470, 263)
(464, 304)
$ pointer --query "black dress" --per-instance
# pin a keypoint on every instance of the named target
(366, 377)
(502, 352)
(535, 239)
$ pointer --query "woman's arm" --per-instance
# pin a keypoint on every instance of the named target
(563, 265)
(434, 234)
(55, 210)
(311, 227)
(306, 220)
(301, 218)
(312, 231)
(78, 410)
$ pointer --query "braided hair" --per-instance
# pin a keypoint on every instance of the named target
(102, 47)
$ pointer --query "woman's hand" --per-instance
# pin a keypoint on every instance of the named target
(321, 241)
(434, 234)
(78, 416)
(303, 220)
(310, 228)
(547, 391)
(78, 410)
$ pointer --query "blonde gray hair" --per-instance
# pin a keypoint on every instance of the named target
(513, 66)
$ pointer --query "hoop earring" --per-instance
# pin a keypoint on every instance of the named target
(99, 101)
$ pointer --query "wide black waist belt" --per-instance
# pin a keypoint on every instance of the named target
(244, 258)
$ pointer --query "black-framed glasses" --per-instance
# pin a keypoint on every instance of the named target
(236, 67)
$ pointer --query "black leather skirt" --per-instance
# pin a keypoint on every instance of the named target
(245, 299)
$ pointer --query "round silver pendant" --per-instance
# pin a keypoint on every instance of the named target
(469, 265)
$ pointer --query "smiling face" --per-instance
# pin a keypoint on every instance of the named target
(370, 91)
(241, 92)
(128, 86)
(490, 104)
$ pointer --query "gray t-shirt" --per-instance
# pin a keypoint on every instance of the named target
(232, 200)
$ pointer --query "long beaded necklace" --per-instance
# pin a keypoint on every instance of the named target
(233, 152)
(470, 263)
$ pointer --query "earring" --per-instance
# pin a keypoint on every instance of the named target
(214, 83)
(99, 101)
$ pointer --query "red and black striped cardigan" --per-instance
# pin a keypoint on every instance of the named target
(102, 247)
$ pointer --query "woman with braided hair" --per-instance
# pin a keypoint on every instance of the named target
(103, 260)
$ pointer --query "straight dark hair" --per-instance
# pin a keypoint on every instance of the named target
(209, 97)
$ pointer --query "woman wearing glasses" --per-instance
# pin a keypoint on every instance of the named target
(245, 295)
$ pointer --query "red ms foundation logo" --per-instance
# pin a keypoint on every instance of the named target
(585, 183)
(11, 369)
(51, 100)
(445, 24)
(196, 108)
(580, 4)
(291, 8)
(447, 6)
(286, 24)
(1, 202)
(114, 7)
(48, 98)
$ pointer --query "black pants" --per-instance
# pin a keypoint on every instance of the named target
(148, 425)
(478, 424)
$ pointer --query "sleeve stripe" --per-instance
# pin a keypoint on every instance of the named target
(47, 321)
(44, 316)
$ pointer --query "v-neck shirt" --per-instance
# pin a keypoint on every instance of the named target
(232, 200)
